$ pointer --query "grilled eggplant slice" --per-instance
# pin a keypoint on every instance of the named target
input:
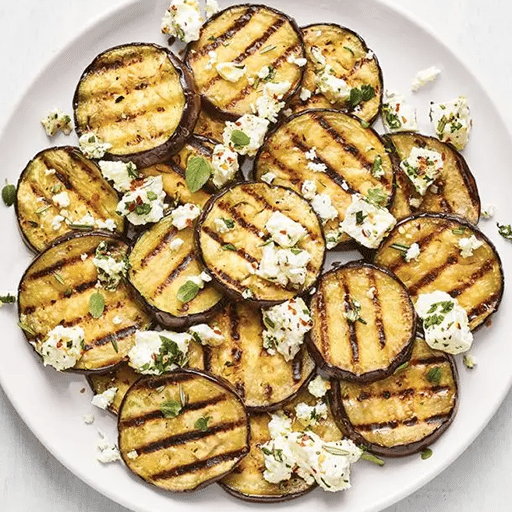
(141, 99)
(455, 190)
(351, 60)
(252, 37)
(350, 154)
(232, 257)
(56, 288)
(404, 413)
(264, 381)
(202, 443)
(364, 323)
(209, 126)
(476, 281)
(123, 376)
(51, 172)
(158, 271)
(246, 480)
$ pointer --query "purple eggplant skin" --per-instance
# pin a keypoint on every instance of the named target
(185, 127)
(365, 46)
(219, 381)
(403, 450)
(400, 358)
(224, 115)
(349, 245)
(265, 499)
(229, 292)
(71, 236)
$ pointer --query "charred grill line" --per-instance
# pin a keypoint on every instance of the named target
(233, 282)
(379, 323)
(115, 336)
(234, 321)
(473, 278)
(402, 393)
(392, 424)
(158, 414)
(354, 345)
(433, 274)
(129, 58)
(481, 308)
(175, 273)
(239, 219)
(297, 366)
(212, 234)
(437, 418)
(322, 316)
(78, 160)
(160, 247)
(198, 465)
(240, 389)
(207, 358)
(166, 380)
(428, 361)
(57, 266)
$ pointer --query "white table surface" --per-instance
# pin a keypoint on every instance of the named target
(31, 479)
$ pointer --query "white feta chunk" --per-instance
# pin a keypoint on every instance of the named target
(268, 105)
(305, 94)
(111, 267)
(183, 20)
(333, 88)
(176, 244)
(246, 134)
(117, 320)
(310, 414)
(469, 361)
(62, 347)
(308, 189)
(317, 166)
(92, 146)
(298, 61)
(56, 121)
(183, 216)
(413, 252)
(108, 224)
(323, 207)
(212, 59)
(223, 225)
(424, 76)
(224, 164)
(319, 386)
(318, 57)
(231, 71)
(105, 399)
(206, 335)
(422, 167)
(89, 419)
(211, 7)
(452, 121)
(120, 173)
(108, 454)
(469, 244)
(284, 231)
(268, 177)
(488, 211)
(61, 200)
(397, 115)
(57, 222)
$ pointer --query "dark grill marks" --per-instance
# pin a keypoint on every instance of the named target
(323, 328)
(128, 59)
(198, 465)
(232, 210)
(153, 415)
(228, 279)
(352, 332)
(473, 278)
(236, 349)
(297, 366)
(215, 236)
(378, 310)
(164, 380)
(402, 393)
(428, 361)
(175, 273)
(249, 50)
(112, 337)
(234, 322)
(483, 307)
(57, 266)
(433, 274)
(408, 422)
(159, 247)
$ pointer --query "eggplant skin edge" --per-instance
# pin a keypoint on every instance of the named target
(366, 378)
(217, 380)
(403, 450)
(255, 498)
(161, 153)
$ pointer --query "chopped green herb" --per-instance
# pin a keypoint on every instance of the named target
(9, 194)
(357, 96)
(505, 231)
(202, 423)
(198, 172)
(268, 322)
(434, 375)
(441, 125)
(96, 305)
(59, 278)
(390, 117)
(41, 210)
(426, 454)
(295, 251)
(377, 170)
(402, 367)
(7, 299)
(187, 291)
(171, 408)
(151, 195)
(372, 458)
(169, 355)
(142, 209)
(377, 196)
(400, 247)
(228, 247)
(360, 216)
(240, 139)
(114, 345)
(268, 48)
(349, 50)
(27, 329)
(459, 231)
(230, 223)
(271, 74)
(364, 124)
(183, 396)
(335, 450)
(81, 227)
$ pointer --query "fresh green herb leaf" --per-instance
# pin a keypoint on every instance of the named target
(230, 223)
(335, 450)
(349, 50)
(9, 194)
(372, 458)
(391, 117)
(96, 305)
(434, 375)
(59, 278)
(402, 367)
(426, 454)
(171, 408)
(268, 48)
(360, 216)
(115, 345)
(183, 396)
(505, 231)
(151, 195)
(27, 329)
(198, 172)
(41, 210)
(377, 170)
(240, 139)
(364, 124)
(268, 322)
(228, 247)
(142, 209)
(459, 231)
(295, 251)
(187, 291)
(357, 96)
(402, 248)
(169, 354)
(7, 299)
(377, 196)
(202, 423)
(131, 169)
(441, 125)
(81, 227)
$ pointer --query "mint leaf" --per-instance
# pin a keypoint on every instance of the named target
(198, 172)
(187, 291)
(171, 408)
(9, 194)
(240, 139)
(96, 305)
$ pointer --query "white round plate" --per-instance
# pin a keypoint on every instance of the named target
(53, 404)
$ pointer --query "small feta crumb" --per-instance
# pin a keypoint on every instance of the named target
(84, 256)
(445, 322)
(422, 167)
(120, 173)
(424, 76)
(268, 177)
(469, 361)
(308, 189)
(212, 60)
(62, 347)
(108, 454)
(176, 244)
(57, 222)
(105, 399)
(452, 121)
(108, 224)
(89, 419)
(223, 225)
(488, 211)
(415, 202)
(398, 116)
(231, 71)
(333, 237)
(268, 105)
(413, 252)
(132, 455)
(247, 294)
(205, 277)
(183, 216)
(211, 7)
(371, 292)
(206, 335)
(319, 386)
(333, 88)
(61, 200)
(323, 207)
(225, 165)
(92, 146)
(468, 245)
(253, 127)
(298, 61)
(305, 94)
(317, 167)
(284, 231)
(117, 320)
(183, 20)
(111, 267)
(310, 414)
(318, 57)
(48, 172)
(57, 120)
(285, 327)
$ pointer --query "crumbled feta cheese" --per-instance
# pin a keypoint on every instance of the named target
(369, 55)
(225, 165)
(413, 252)
(367, 223)
(132, 455)
(183, 20)
(422, 167)
(231, 71)
(92, 146)
(488, 211)
(469, 361)
(117, 320)
(111, 267)
(333, 237)
(319, 386)
(156, 352)
(61, 200)
(323, 207)
(310, 414)
(144, 203)
(333, 88)
(87, 220)
(183, 216)
(445, 322)
(468, 245)
(108, 454)
(212, 59)
(284, 231)
(89, 419)
(108, 224)
(253, 127)
(263, 73)
(84, 256)
(62, 347)
(223, 225)
(48, 172)
(268, 177)
(121, 173)
(103, 400)
(211, 7)
(284, 266)
(285, 327)
(415, 202)
(317, 167)
(305, 94)
(317, 56)
(207, 335)
(57, 120)
(57, 222)
(308, 189)
(452, 121)
(397, 115)
(371, 292)
(247, 294)
(424, 76)
(298, 61)
(268, 105)
(176, 244)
